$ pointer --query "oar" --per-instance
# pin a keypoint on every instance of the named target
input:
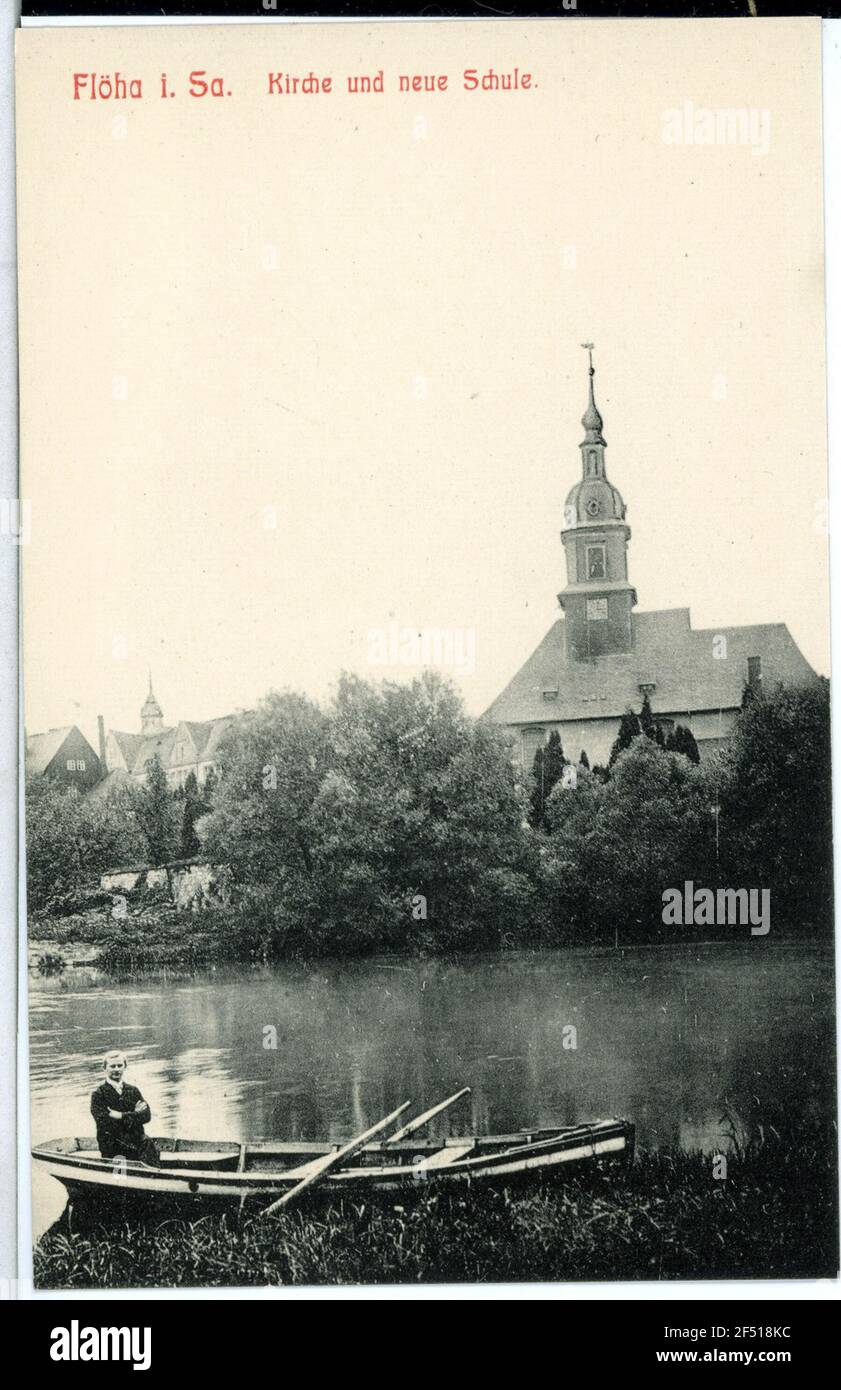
(314, 1172)
(426, 1117)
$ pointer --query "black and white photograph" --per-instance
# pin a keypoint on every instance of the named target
(424, 542)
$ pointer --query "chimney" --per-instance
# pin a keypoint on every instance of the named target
(755, 674)
(101, 725)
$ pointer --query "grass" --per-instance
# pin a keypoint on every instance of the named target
(665, 1217)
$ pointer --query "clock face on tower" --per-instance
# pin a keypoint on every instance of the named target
(596, 609)
(593, 507)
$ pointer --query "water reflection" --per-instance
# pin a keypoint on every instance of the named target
(695, 1047)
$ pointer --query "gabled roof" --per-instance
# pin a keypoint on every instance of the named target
(42, 748)
(205, 735)
(159, 744)
(199, 733)
(128, 744)
(681, 662)
(218, 729)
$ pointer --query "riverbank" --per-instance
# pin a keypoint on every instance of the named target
(154, 935)
(666, 1217)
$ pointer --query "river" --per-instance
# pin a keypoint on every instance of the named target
(700, 1047)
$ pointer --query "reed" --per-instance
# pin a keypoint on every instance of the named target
(666, 1217)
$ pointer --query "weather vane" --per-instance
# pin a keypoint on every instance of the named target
(589, 347)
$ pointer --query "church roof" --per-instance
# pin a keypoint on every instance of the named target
(668, 652)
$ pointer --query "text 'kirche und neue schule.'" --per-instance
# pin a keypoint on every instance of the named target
(117, 86)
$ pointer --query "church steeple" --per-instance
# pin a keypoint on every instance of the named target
(151, 714)
(598, 598)
(591, 419)
(594, 443)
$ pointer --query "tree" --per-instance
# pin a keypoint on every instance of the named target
(615, 847)
(682, 740)
(437, 812)
(647, 724)
(156, 814)
(71, 838)
(194, 807)
(629, 729)
(776, 803)
(548, 766)
(584, 761)
(271, 766)
(392, 818)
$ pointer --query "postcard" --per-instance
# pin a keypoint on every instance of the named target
(426, 653)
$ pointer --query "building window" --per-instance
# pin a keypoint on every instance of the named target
(595, 562)
(592, 466)
(532, 740)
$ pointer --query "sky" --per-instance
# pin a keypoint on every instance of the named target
(299, 375)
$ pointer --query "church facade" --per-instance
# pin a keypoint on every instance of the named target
(601, 657)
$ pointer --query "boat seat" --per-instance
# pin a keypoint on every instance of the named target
(199, 1158)
(444, 1157)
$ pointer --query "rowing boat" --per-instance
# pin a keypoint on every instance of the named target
(268, 1171)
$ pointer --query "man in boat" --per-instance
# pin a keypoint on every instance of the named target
(121, 1113)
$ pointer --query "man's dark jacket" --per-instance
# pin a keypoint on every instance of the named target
(121, 1137)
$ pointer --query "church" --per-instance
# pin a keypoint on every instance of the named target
(601, 657)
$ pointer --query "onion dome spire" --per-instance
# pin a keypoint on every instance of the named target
(591, 419)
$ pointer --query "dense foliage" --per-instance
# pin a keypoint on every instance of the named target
(71, 838)
(392, 820)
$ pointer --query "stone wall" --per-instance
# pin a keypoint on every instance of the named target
(191, 886)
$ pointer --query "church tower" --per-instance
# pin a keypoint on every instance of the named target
(598, 599)
(151, 715)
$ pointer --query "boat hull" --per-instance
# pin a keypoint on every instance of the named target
(194, 1172)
